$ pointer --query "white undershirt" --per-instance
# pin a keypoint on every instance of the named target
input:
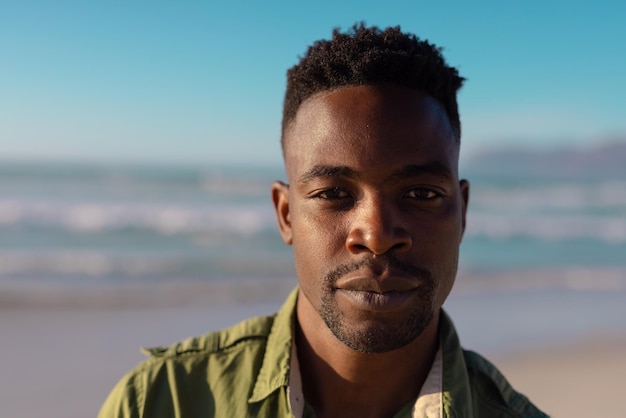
(429, 402)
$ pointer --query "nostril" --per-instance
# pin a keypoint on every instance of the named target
(359, 247)
(399, 246)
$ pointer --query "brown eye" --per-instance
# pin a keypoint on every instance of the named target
(423, 194)
(332, 194)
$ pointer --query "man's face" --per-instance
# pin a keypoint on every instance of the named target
(374, 210)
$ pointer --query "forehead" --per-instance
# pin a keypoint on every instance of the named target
(370, 126)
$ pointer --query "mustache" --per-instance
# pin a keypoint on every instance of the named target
(382, 263)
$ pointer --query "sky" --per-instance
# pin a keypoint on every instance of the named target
(203, 82)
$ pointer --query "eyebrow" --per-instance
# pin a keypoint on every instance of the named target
(327, 171)
(433, 168)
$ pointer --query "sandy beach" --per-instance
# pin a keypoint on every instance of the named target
(63, 352)
(581, 379)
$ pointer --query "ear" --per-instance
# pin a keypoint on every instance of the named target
(465, 189)
(280, 197)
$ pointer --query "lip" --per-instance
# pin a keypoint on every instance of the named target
(377, 301)
(388, 281)
(386, 292)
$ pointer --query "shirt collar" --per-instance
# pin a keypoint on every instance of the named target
(456, 391)
(448, 373)
(274, 371)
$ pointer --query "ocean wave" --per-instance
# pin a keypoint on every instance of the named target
(162, 218)
(608, 195)
(132, 182)
(610, 229)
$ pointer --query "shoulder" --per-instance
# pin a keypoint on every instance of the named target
(246, 339)
(190, 370)
(493, 393)
(246, 332)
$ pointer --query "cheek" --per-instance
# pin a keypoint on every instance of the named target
(441, 233)
(452, 222)
(436, 241)
(312, 250)
(317, 244)
(447, 242)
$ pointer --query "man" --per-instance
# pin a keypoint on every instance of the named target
(375, 212)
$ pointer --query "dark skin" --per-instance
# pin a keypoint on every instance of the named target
(375, 213)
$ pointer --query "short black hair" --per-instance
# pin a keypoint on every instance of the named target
(367, 55)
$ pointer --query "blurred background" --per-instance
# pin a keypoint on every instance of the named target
(138, 142)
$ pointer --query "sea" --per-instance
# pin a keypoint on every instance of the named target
(531, 243)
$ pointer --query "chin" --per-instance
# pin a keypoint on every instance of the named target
(375, 336)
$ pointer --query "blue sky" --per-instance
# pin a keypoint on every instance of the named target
(203, 82)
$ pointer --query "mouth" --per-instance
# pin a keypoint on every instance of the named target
(382, 285)
(389, 291)
(388, 301)
(385, 281)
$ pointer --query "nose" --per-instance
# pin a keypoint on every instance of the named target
(377, 228)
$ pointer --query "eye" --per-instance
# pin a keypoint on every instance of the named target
(423, 194)
(332, 194)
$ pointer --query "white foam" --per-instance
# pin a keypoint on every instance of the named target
(165, 218)
(611, 229)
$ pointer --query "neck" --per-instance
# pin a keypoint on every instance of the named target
(336, 378)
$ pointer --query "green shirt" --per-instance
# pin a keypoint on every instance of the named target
(244, 372)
